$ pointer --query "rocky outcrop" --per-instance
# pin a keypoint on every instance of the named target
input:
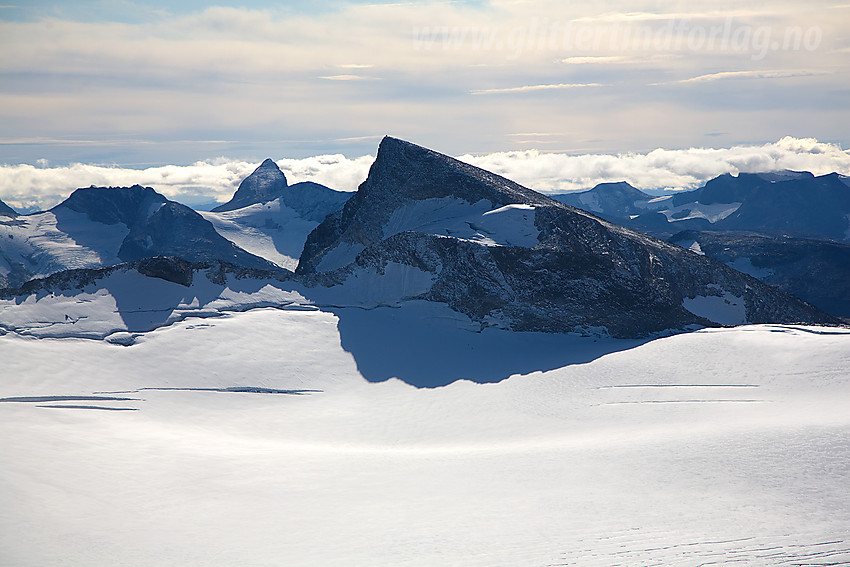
(6, 210)
(817, 271)
(172, 269)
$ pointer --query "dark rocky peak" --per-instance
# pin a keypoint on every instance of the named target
(403, 175)
(6, 210)
(608, 199)
(403, 170)
(725, 188)
(156, 226)
(620, 189)
(110, 205)
(266, 183)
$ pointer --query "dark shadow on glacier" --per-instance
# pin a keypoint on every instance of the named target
(428, 345)
(147, 303)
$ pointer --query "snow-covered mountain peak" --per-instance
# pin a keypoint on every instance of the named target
(411, 188)
(111, 205)
(103, 226)
(264, 184)
(276, 229)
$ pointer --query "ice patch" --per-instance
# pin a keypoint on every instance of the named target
(728, 309)
(691, 245)
(511, 225)
(711, 213)
(153, 208)
(653, 204)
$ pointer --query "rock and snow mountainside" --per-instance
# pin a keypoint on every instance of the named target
(118, 302)
(817, 271)
(782, 203)
(102, 226)
(277, 228)
(6, 210)
(749, 222)
(426, 226)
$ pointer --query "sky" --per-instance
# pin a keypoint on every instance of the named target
(128, 85)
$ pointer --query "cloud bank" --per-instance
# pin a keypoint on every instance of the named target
(26, 187)
(662, 169)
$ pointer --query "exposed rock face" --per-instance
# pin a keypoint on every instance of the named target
(6, 210)
(172, 269)
(508, 256)
(157, 226)
(781, 203)
(817, 271)
(787, 228)
(266, 183)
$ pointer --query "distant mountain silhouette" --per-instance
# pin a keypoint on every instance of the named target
(264, 184)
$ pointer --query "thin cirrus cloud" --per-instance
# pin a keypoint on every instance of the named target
(532, 88)
(595, 59)
(625, 17)
(345, 78)
(751, 75)
(26, 187)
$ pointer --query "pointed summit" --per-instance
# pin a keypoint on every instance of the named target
(266, 183)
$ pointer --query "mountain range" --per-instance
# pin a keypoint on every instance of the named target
(782, 203)
(102, 226)
(787, 228)
(422, 227)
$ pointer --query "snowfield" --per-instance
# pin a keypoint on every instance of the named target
(299, 437)
(270, 230)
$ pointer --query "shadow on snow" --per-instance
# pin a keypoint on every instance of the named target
(428, 345)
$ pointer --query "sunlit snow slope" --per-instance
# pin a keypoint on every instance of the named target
(277, 229)
(257, 439)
